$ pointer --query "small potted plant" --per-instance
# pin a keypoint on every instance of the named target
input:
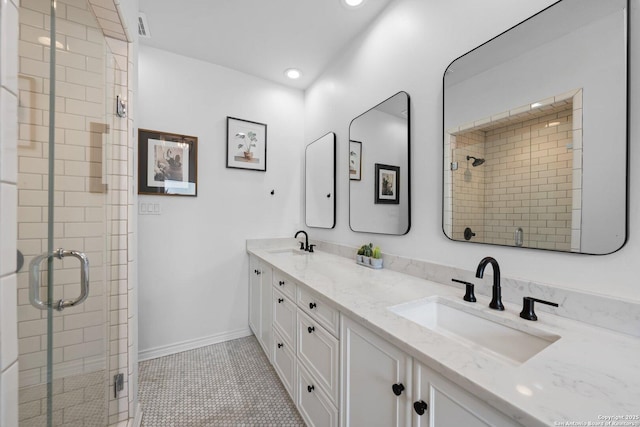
(360, 254)
(376, 258)
(368, 251)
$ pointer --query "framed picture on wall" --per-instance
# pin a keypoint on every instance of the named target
(387, 184)
(167, 163)
(246, 144)
(355, 160)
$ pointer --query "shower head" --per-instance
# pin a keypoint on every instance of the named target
(476, 161)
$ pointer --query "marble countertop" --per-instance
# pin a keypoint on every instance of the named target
(588, 375)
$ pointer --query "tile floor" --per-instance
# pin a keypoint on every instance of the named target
(226, 384)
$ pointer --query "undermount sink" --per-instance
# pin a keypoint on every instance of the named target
(455, 320)
(288, 251)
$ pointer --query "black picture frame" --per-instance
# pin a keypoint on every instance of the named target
(387, 187)
(355, 160)
(243, 136)
(162, 168)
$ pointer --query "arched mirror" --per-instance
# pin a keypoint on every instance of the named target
(379, 186)
(320, 182)
(535, 133)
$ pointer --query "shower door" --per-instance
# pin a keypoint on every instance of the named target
(67, 218)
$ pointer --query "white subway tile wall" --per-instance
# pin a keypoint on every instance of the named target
(531, 177)
(93, 193)
(8, 212)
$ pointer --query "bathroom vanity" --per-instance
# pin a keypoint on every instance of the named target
(356, 346)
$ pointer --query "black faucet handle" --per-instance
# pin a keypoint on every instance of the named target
(469, 295)
(302, 246)
(311, 248)
(528, 312)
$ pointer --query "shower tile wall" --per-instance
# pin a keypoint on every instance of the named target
(469, 186)
(526, 180)
(91, 342)
(8, 201)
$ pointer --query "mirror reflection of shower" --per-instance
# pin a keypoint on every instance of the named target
(476, 161)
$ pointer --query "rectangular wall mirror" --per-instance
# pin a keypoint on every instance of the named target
(379, 187)
(535, 133)
(320, 182)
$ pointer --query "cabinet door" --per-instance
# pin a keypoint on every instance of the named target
(254, 295)
(284, 362)
(266, 309)
(319, 351)
(449, 404)
(313, 404)
(371, 367)
(284, 317)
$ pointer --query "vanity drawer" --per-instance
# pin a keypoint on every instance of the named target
(319, 352)
(284, 362)
(313, 404)
(284, 284)
(284, 317)
(319, 310)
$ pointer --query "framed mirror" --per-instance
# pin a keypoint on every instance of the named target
(379, 168)
(535, 133)
(320, 182)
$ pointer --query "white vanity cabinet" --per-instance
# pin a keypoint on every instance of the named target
(338, 372)
(305, 350)
(446, 404)
(260, 296)
(376, 379)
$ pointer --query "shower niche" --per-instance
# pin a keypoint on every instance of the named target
(535, 133)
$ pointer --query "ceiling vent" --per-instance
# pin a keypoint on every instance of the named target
(143, 26)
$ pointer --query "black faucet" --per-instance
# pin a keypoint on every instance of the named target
(496, 300)
(303, 246)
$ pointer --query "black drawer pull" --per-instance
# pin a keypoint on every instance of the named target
(310, 388)
(280, 345)
(311, 329)
(280, 300)
(420, 407)
(312, 305)
(281, 282)
(397, 389)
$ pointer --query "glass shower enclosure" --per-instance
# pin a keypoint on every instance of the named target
(73, 199)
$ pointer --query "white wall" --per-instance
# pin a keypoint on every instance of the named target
(193, 272)
(408, 48)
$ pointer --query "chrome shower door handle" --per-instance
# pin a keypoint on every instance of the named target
(34, 280)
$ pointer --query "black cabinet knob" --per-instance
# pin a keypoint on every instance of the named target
(420, 407)
(310, 388)
(280, 345)
(397, 389)
(281, 282)
(312, 305)
(311, 329)
(280, 300)
(258, 272)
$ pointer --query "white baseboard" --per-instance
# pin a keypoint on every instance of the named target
(179, 347)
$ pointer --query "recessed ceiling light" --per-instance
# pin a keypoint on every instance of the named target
(352, 3)
(292, 73)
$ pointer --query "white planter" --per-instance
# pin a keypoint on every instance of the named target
(366, 260)
(376, 262)
(359, 258)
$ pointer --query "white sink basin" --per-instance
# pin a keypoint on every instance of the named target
(458, 321)
(288, 252)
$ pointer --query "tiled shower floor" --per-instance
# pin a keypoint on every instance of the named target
(226, 384)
